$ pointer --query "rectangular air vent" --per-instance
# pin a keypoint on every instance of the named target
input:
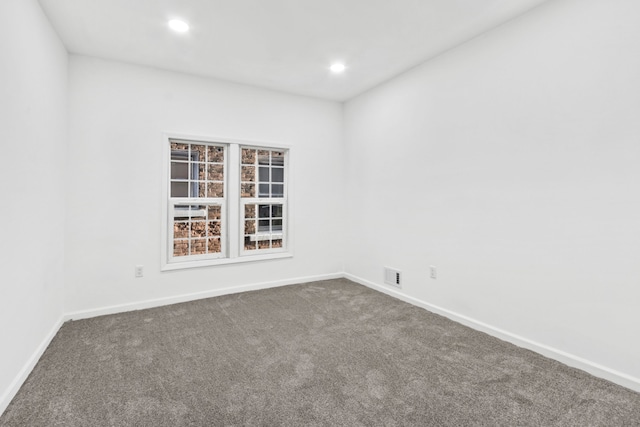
(392, 277)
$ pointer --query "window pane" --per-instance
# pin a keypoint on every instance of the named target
(250, 227)
(249, 245)
(248, 174)
(198, 229)
(276, 211)
(264, 190)
(277, 190)
(179, 170)
(264, 211)
(264, 244)
(263, 225)
(263, 157)
(214, 246)
(215, 189)
(264, 174)
(214, 212)
(198, 246)
(277, 158)
(277, 175)
(179, 189)
(180, 247)
(180, 229)
(198, 153)
(276, 243)
(249, 211)
(215, 154)
(179, 151)
(248, 190)
(248, 156)
(213, 228)
(215, 172)
(276, 225)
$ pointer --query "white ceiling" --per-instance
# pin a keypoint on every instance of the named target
(285, 45)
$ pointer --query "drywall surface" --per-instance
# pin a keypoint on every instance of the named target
(118, 115)
(512, 165)
(33, 121)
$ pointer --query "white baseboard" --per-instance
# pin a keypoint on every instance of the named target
(550, 352)
(561, 356)
(11, 392)
(140, 305)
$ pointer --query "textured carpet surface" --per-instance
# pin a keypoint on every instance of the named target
(324, 353)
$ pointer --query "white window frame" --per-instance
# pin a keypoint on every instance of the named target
(257, 200)
(232, 207)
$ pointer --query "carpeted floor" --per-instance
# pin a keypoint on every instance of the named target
(328, 353)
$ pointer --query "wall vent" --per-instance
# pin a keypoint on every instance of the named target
(392, 277)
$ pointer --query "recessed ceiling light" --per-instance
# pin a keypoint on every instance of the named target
(337, 68)
(178, 26)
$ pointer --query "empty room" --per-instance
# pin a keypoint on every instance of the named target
(320, 212)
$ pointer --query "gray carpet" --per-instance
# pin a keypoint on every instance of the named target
(325, 353)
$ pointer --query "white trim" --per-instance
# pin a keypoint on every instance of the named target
(224, 261)
(233, 195)
(204, 138)
(572, 360)
(22, 376)
(141, 305)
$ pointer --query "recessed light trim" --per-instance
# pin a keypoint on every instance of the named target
(337, 68)
(178, 26)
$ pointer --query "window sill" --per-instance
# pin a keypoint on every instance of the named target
(224, 261)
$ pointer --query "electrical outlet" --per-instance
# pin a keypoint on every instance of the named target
(139, 271)
(433, 271)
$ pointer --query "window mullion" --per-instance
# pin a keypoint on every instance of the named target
(232, 181)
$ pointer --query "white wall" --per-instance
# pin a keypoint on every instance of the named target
(33, 121)
(118, 113)
(512, 164)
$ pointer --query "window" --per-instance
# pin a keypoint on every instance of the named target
(226, 202)
(263, 202)
(196, 202)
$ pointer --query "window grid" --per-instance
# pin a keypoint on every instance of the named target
(263, 193)
(196, 201)
(197, 170)
(263, 226)
(197, 230)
